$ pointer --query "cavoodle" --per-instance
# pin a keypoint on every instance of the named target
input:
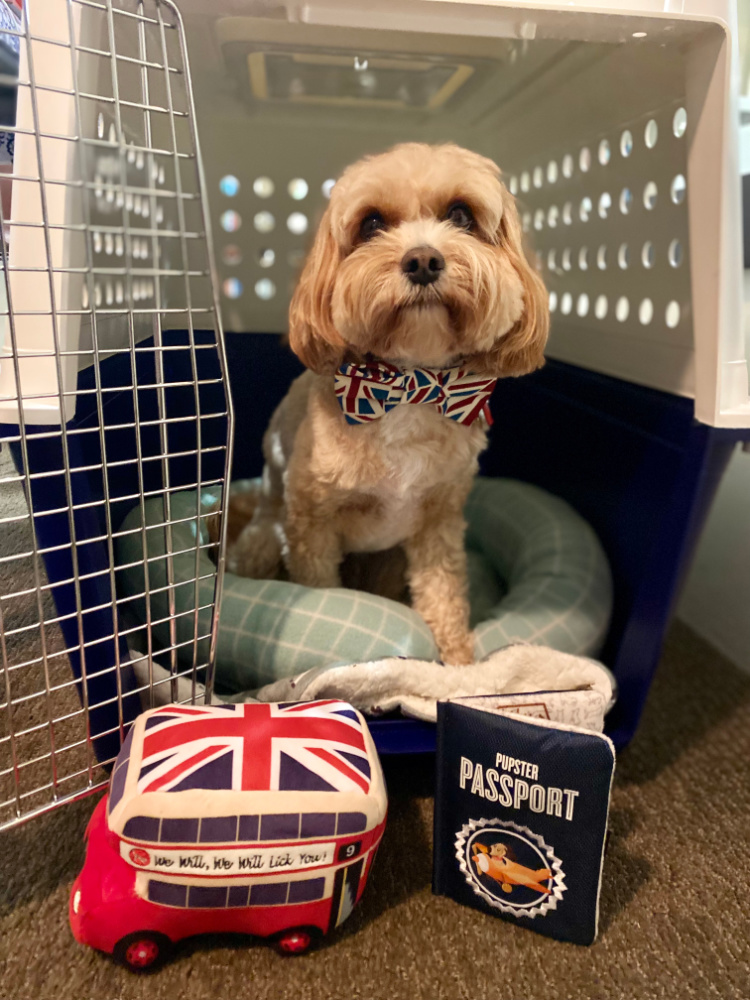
(415, 298)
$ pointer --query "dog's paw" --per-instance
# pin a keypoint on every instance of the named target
(312, 574)
(459, 651)
(255, 554)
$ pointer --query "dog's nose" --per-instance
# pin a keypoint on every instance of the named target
(422, 265)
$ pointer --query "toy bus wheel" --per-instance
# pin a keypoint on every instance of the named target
(144, 950)
(296, 941)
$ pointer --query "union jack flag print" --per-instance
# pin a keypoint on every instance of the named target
(313, 746)
(368, 392)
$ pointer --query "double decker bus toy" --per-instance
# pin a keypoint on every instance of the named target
(261, 819)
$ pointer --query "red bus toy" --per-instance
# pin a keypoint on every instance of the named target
(259, 819)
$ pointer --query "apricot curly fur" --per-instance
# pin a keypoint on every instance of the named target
(331, 491)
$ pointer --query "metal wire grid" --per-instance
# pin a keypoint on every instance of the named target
(135, 157)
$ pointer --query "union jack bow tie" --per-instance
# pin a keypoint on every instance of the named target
(368, 392)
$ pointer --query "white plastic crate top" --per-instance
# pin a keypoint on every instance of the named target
(617, 129)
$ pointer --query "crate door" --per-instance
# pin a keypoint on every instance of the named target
(115, 420)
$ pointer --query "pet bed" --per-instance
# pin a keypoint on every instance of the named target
(537, 575)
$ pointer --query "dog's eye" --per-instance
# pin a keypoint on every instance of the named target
(371, 225)
(460, 215)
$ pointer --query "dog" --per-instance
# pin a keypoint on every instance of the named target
(417, 281)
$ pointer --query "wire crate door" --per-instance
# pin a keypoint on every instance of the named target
(115, 417)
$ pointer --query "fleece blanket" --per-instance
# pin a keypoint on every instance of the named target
(412, 686)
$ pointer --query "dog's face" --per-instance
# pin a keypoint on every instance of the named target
(418, 261)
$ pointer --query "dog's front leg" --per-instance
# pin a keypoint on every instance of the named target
(313, 553)
(437, 575)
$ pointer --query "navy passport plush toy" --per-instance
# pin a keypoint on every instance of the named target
(521, 808)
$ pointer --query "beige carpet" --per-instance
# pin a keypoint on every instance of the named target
(675, 901)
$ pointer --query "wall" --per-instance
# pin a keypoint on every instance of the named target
(716, 599)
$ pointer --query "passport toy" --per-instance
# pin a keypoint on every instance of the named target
(521, 805)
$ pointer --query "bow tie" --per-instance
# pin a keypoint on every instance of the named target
(368, 392)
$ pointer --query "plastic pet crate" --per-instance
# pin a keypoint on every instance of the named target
(615, 130)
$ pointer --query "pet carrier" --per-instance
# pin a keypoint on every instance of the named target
(616, 130)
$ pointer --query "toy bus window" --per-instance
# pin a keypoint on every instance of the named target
(351, 823)
(238, 895)
(218, 830)
(268, 894)
(306, 890)
(117, 785)
(318, 825)
(279, 826)
(166, 893)
(124, 755)
(201, 896)
(142, 828)
(248, 828)
(179, 831)
(120, 772)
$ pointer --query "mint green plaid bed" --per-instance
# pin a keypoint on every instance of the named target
(537, 574)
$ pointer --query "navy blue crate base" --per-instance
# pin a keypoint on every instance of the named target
(643, 473)
(631, 460)
(398, 736)
(48, 494)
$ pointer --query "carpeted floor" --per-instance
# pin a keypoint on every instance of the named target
(675, 901)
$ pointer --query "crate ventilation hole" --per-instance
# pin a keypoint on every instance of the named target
(264, 222)
(605, 206)
(110, 198)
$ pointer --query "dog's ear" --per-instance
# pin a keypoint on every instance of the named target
(521, 349)
(312, 335)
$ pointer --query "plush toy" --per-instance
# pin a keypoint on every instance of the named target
(258, 819)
